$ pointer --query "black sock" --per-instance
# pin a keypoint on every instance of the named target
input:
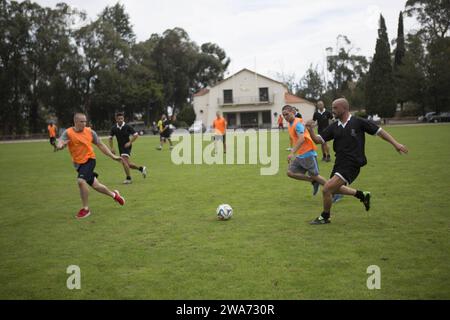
(128, 178)
(325, 215)
(359, 194)
(141, 168)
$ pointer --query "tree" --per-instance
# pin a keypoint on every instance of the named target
(345, 67)
(380, 93)
(399, 54)
(311, 86)
(433, 15)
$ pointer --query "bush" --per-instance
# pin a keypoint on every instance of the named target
(180, 124)
(361, 114)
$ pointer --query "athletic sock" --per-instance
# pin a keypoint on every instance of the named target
(141, 168)
(359, 194)
(128, 178)
(325, 215)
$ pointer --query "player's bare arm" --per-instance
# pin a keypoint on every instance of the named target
(107, 152)
(387, 137)
(111, 145)
(310, 126)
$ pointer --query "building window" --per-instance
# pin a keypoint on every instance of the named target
(264, 94)
(231, 119)
(227, 96)
(266, 117)
(249, 119)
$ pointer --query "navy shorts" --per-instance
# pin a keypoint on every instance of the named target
(86, 171)
(348, 173)
(125, 151)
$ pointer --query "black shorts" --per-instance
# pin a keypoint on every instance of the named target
(166, 133)
(348, 173)
(125, 151)
(320, 131)
(52, 140)
(86, 171)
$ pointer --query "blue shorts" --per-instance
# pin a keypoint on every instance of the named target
(303, 165)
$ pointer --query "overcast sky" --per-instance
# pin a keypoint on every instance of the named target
(267, 36)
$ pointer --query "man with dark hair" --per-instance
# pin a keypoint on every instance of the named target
(164, 132)
(349, 140)
(79, 139)
(322, 116)
(123, 131)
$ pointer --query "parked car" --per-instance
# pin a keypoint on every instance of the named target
(426, 117)
(442, 117)
(139, 127)
(197, 127)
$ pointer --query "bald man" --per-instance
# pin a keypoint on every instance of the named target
(349, 140)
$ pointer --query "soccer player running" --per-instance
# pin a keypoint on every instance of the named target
(52, 134)
(220, 128)
(164, 132)
(349, 140)
(79, 139)
(303, 156)
(323, 117)
(123, 131)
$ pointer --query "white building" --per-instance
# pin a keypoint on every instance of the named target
(248, 100)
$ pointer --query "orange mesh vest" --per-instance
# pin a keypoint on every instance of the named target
(80, 145)
(219, 125)
(308, 144)
(51, 131)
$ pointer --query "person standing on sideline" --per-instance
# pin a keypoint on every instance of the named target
(280, 122)
(52, 134)
(220, 128)
(349, 141)
(123, 131)
(79, 139)
(322, 116)
(164, 132)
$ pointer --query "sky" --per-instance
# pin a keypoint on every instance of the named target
(271, 37)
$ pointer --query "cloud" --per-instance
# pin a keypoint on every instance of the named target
(281, 36)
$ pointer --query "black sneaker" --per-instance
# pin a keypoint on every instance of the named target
(366, 200)
(320, 220)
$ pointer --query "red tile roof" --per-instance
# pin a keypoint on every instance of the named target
(202, 92)
(290, 98)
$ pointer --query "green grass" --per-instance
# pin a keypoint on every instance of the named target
(166, 243)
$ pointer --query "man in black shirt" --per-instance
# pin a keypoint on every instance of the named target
(123, 131)
(322, 116)
(349, 139)
(165, 132)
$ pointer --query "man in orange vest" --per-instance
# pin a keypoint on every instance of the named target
(52, 134)
(220, 127)
(303, 156)
(79, 139)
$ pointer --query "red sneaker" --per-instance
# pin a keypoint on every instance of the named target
(83, 213)
(118, 198)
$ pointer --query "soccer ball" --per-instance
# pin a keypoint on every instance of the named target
(224, 212)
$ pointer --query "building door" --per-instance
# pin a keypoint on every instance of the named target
(249, 119)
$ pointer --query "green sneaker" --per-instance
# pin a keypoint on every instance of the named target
(320, 220)
(366, 200)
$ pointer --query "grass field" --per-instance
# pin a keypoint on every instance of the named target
(166, 242)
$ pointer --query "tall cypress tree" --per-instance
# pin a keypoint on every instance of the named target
(399, 54)
(380, 91)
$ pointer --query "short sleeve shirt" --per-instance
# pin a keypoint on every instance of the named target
(122, 133)
(349, 141)
(323, 119)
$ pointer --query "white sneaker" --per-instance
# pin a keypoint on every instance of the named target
(144, 172)
(289, 149)
(127, 181)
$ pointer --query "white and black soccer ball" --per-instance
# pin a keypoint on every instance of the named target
(224, 212)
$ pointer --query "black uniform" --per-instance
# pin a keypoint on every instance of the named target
(166, 129)
(323, 120)
(348, 144)
(123, 136)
